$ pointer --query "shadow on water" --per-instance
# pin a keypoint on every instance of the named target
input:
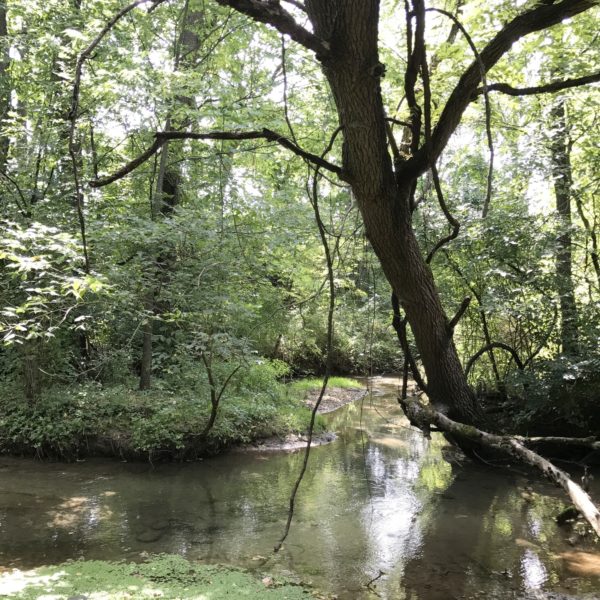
(379, 499)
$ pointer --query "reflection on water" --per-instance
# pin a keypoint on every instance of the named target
(380, 498)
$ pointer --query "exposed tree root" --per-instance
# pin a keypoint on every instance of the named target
(422, 416)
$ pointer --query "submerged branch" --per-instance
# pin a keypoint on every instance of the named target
(423, 416)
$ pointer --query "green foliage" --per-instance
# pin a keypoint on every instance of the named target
(314, 383)
(561, 397)
(234, 272)
(44, 282)
(89, 417)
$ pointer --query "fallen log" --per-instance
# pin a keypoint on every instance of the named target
(423, 416)
(591, 442)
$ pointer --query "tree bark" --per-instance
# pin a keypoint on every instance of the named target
(353, 71)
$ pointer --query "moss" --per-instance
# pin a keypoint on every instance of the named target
(315, 383)
(163, 576)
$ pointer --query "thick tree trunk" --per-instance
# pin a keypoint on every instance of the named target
(353, 72)
(562, 176)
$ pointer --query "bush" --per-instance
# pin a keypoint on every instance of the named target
(562, 396)
(91, 418)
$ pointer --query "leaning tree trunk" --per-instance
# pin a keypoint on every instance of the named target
(353, 71)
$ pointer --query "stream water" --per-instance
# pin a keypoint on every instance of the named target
(380, 499)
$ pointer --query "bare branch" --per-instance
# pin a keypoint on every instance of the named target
(130, 166)
(449, 217)
(272, 13)
(459, 313)
(421, 416)
(547, 88)
(542, 16)
(487, 348)
(161, 137)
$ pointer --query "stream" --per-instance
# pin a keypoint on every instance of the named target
(380, 499)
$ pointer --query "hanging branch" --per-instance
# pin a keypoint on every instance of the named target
(488, 106)
(74, 113)
(161, 137)
(449, 217)
(547, 88)
(314, 199)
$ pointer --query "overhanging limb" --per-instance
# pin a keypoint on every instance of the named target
(422, 416)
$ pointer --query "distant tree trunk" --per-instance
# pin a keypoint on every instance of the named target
(165, 200)
(562, 176)
(30, 370)
(5, 88)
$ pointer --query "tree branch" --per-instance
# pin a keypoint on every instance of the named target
(487, 104)
(459, 313)
(272, 13)
(449, 217)
(487, 348)
(588, 442)
(547, 88)
(421, 416)
(161, 137)
(542, 16)
(129, 167)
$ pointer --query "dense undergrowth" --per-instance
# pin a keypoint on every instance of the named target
(165, 422)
